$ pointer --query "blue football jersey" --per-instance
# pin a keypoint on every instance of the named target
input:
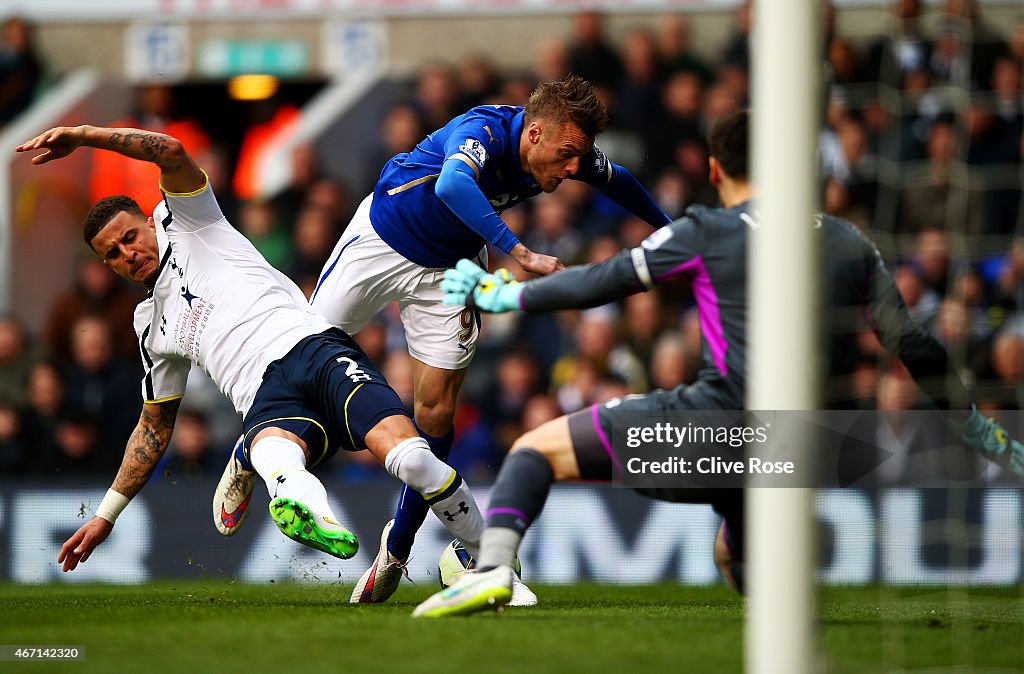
(410, 217)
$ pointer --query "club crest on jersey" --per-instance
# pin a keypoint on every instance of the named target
(188, 296)
(474, 149)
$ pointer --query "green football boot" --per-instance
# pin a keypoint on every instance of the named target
(301, 524)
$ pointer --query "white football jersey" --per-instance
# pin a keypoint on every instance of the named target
(217, 303)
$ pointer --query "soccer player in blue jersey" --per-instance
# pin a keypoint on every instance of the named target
(708, 247)
(431, 207)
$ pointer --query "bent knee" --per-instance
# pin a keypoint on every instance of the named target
(552, 441)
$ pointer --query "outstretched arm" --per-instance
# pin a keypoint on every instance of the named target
(925, 357)
(667, 253)
(178, 173)
(575, 288)
(624, 189)
(458, 189)
(933, 371)
(621, 186)
(146, 445)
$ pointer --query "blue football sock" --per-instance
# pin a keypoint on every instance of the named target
(240, 455)
(412, 509)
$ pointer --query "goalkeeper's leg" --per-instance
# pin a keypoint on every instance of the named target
(548, 454)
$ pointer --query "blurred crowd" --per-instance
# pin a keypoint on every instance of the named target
(921, 147)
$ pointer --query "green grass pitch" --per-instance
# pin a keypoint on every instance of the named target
(218, 626)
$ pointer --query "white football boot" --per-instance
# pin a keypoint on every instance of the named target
(231, 499)
(474, 591)
(521, 595)
(383, 577)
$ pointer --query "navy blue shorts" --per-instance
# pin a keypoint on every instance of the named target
(325, 391)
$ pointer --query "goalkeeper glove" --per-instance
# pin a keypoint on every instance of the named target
(992, 440)
(458, 283)
(496, 293)
(469, 285)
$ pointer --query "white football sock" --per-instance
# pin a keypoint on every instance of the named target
(282, 465)
(412, 462)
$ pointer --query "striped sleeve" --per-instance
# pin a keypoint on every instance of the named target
(164, 378)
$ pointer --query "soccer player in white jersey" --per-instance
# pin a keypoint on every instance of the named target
(437, 204)
(302, 386)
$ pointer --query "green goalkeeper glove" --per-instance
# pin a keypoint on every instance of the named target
(469, 285)
(992, 440)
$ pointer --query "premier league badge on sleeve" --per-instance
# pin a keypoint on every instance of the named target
(474, 149)
(600, 161)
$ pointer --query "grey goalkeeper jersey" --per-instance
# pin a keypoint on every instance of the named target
(709, 248)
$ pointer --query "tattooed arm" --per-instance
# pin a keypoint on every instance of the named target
(178, 173)
(147, 444)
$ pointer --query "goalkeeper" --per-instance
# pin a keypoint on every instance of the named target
(708, 247)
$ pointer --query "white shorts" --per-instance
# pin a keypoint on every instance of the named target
(364, 274)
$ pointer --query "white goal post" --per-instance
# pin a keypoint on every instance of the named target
(786, 58)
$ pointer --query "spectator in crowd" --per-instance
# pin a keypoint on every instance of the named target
(922, 302)
(675, 49)
(591, 56)
(677, 119)
(598, 350)
(539, 409)
(329, 196)
(847, 159)
(45, 390)
(16, 359)
(21, 69)
(518, 379)
(314, 237)
(304, 175)
(844, 63)
(398, 371)
(1007, 362)
(400, 130)
(96, 292)
(931, 257)
(737, 50)
(1007, 142)
(191, 455)
(1016, 46)
(930, 199)
(154, 111)
(672, 192)
(15, 444)
(638, 92)
(670, 365)
(551, 60)
(373, 340)
(551, 232)
(978, 46)
(644, 320)
(79, 449)
(258, 221)
(903, 49)
(100, 385)
(437, 95)
(478, 81)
